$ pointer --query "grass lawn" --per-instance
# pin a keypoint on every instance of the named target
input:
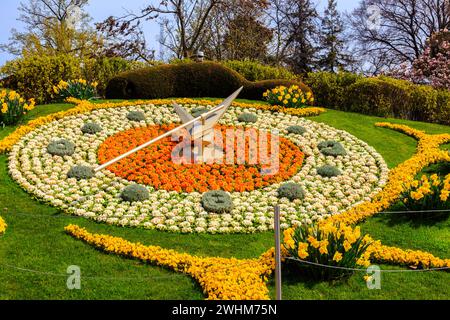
(35, 240)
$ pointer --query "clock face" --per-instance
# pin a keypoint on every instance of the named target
(41, 160)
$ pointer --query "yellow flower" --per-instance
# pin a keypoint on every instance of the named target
(285, 102)
(313, 241)
(337, 256)
(302, 250)
(4, 108)
(347, 246)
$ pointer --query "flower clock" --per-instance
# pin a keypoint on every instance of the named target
(324, 174)
(41, 161)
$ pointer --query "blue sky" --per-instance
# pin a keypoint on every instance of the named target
(101, 9)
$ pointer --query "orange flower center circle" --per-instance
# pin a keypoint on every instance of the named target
(164, 166)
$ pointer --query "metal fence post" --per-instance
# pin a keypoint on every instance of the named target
(277, 253)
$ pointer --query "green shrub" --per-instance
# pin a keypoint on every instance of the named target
(330, 89)
(207, 79)
(135, 193)
(81, 173)
(35, 76)
(248, 117)
(136, 116)
(61, 148)
(91, 128)
(255, 71)
(332, 148)
(197, 112)
(441, 113)
(217, 202)
(329, 171)
(383, 97)
(103, 69)
(291, 191)
(296, 130)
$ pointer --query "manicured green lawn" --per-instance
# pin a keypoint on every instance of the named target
(35, 240)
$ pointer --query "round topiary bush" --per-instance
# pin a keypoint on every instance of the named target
(197, 112)
(81, 173)
(248, 117)
(135, 193)
(137, 116)
(91, 128)
(61, 148)
(329, 171)
(292, 191)
(296, 130)
(332, 148)
(217, 202)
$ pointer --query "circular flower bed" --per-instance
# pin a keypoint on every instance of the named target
(364, 172)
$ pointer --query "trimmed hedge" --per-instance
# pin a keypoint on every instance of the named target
(207, 79)
(380, 96)
(256, 71)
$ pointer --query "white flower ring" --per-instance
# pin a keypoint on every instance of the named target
(364, 173)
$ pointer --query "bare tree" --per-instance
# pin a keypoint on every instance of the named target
(395, 31)
(184, 23)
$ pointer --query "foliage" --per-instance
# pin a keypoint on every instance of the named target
(134, 193)
(331, 89)
(291, 191)
(136, 116)
(329, 171)
(332, 148)
(296, 130)
(388, 97)
(256, 71)
(217, 201)
(78, 89)
(13, 107)
(34, 76)
(289, 97)
(54, 28)
(248, 117)
(81, 173)
(207, 79)
(335, 245)
(427, 193)
(61, 148)
(103, 69)
(91, 128)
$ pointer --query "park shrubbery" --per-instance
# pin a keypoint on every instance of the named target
(380, 96)
(207, 79)
(35, 76)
